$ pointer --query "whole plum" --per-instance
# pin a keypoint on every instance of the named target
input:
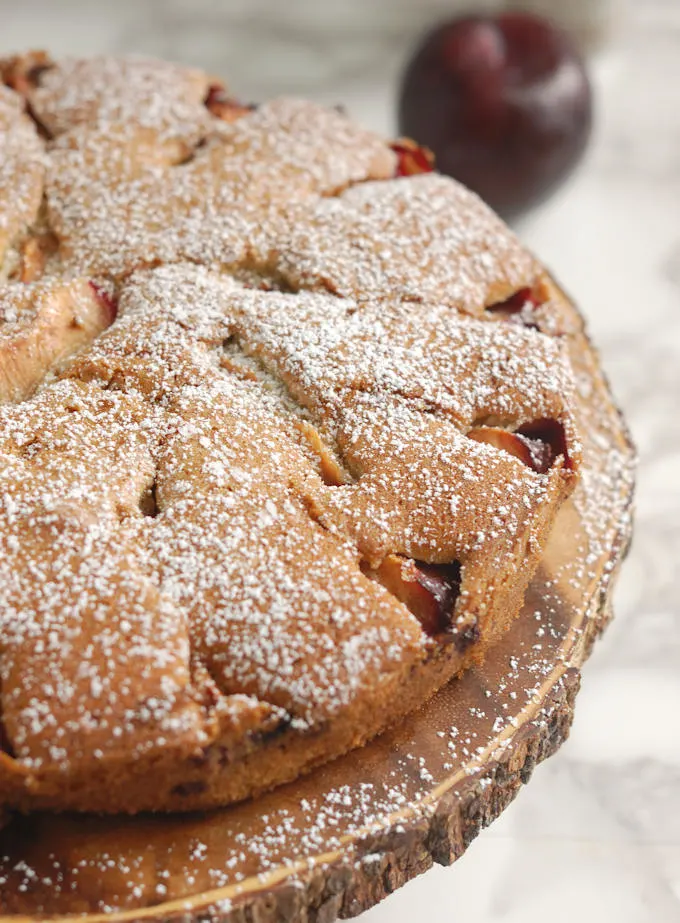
(504, 102)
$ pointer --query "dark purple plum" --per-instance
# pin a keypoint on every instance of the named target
(504, 102)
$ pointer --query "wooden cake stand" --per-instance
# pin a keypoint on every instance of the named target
(336, 842)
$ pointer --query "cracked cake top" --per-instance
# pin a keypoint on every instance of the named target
(283, 432)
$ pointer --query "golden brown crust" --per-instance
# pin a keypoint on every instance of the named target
(22, 169)
(205, 508)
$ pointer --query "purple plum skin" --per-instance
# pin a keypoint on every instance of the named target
(504, 103)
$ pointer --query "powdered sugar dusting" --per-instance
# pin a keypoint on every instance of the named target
(425, 239)
(22, 168)
(196, 504)
(155, 94)
(120, 195)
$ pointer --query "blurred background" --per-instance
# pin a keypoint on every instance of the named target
(597, 833)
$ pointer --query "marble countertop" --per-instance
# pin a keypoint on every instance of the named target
(597, 833)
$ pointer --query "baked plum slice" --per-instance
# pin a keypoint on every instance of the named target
(429, 591)
(537, 444)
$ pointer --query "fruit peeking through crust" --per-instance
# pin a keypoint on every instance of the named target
(412, 158)
(430, 591)
(108, 301)
(223, 106)
(519, 308)
(537, 444)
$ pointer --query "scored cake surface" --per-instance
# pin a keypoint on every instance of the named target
(283, 431)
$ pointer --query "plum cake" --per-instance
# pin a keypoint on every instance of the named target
(285, 421)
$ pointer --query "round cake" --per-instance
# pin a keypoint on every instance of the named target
(285, 421)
